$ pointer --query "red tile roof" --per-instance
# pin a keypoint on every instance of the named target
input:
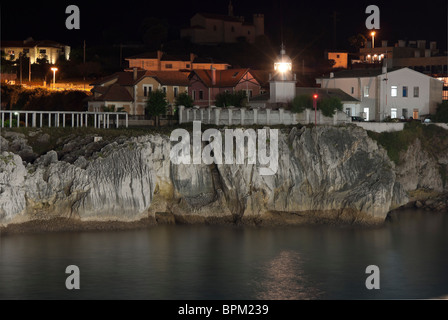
(224, 78)
(115, 92)
(170, 78)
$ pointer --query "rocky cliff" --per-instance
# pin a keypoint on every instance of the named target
(325, 174)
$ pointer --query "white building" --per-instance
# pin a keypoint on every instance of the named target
(49, 50)
(394, 93)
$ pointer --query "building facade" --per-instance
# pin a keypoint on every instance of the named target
(130, 90)
(398, 93)
(206, 84)
(160, 61)
(206, 28)
(49, 50)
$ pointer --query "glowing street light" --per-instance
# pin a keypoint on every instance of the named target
(315, 96)
(54, 76)
(373, 39)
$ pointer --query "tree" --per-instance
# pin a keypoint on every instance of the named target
(357, 41)
(300, 103)
(227, 99)
(329, 106)
(185, 100)
(442, 112)
(156, 105)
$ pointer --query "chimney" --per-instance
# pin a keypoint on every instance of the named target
(384, 43)
(230, 9)
(401, 43)
(192, 57)
(135, 74)
(213, 76)
(433, 45)
(159, 55)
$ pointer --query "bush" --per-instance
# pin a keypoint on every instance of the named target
(227, 99)
(441, 113)
(329, 106)
(156, 104)
(185, 100)
(300, 103)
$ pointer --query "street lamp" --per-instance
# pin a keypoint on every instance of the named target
(373, 39)
(315, 96)
(54, 76)
(283, 65)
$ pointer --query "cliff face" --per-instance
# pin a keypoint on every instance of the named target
(324, 174)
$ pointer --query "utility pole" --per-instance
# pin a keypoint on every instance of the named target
(20, 59)
(84, 66)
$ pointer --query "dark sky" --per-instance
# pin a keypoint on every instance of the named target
(307, 22)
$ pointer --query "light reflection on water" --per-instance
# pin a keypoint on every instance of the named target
(284, 279)
(202, 262)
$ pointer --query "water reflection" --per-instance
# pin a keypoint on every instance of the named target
(203, 262)
(283, 278)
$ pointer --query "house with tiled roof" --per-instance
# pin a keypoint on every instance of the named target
(387, 93)
(162, 61)
(130, 90)
(206, 84)
(207, 28)
(46, 49)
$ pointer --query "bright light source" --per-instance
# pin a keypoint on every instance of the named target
(283, 67)
(315, 96)
(54, 69)
(16, 113)
(373, 33)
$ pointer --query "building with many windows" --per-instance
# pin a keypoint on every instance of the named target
(161, 61)
(130, 90)
(395, 93)
(49, 50)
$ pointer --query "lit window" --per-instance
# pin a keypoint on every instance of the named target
(415, 114)
(405, 92)
(366, 91)
(393, 113)
(416, 92)
(394, 91)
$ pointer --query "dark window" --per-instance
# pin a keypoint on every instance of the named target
(248, 32)
(416, 92)
(338, 56)
(201, 95)
(176, 92)
(193, 95)
(188, 66)
(405, 92)
(26, 50)
(215, 28)
(353, 90)
(43, 51)
(169, 66)
(233, 29)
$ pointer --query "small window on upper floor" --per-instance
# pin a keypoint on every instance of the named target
(233, 29)
(169, 66)
(394, 91)
(215, 28)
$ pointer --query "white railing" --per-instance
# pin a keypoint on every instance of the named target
(58, 119)
(236, 116)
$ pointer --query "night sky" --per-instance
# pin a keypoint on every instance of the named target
(309, 23)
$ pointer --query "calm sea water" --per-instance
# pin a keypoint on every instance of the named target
(200, 262)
